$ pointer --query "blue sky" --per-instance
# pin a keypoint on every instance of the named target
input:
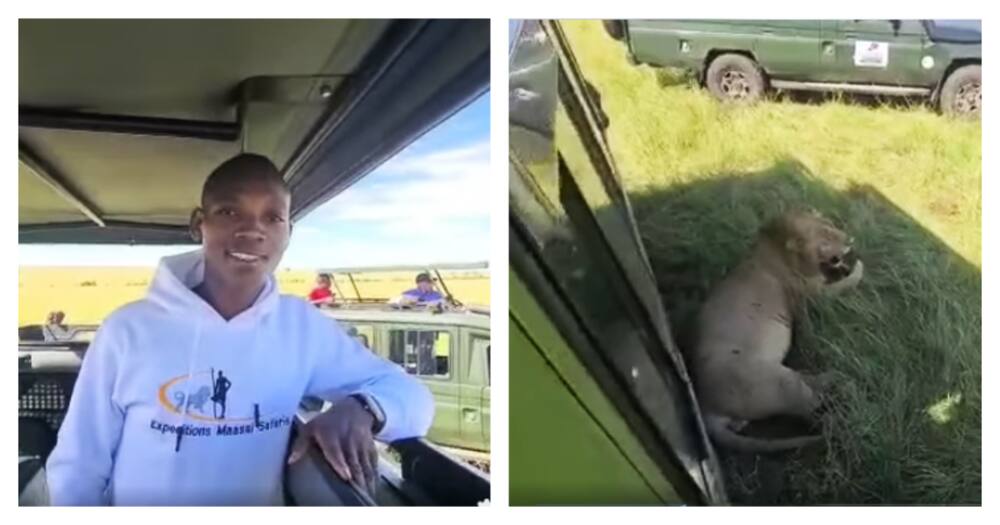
(429, 204)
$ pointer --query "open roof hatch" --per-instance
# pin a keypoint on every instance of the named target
(120, 121)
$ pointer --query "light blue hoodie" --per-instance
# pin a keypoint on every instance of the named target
(168, 361)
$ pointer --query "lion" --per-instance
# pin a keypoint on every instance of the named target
(198, 399)
(744, 329)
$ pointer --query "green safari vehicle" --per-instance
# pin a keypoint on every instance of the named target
(739, 60)
(602, 411)
(450, 352)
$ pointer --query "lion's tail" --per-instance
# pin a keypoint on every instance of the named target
(723, 435)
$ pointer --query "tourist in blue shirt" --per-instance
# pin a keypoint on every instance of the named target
(424, 293)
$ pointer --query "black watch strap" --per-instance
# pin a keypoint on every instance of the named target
(378, 418)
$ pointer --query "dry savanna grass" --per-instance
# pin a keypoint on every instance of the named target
(903, 423)
(87, 295)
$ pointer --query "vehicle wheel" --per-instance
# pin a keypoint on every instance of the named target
(735, 78)
(962, 92)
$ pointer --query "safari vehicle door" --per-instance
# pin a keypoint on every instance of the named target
(788, 49)
(601, 407)
(116, 136)
(886, 52)
(428, 352)
(474, 390)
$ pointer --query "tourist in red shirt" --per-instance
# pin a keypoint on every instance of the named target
(322, 295)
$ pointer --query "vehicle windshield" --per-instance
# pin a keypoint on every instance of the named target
(960, 31)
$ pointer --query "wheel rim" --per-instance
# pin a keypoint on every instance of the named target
(969, 98)
(735, 84)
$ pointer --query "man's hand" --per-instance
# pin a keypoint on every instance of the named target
(344, 435)
(407, 300)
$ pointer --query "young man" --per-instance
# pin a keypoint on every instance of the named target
(187, 397)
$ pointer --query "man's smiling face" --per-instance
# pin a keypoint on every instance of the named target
(243, 225)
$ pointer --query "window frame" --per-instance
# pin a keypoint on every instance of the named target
(452, 338)
(473, 337)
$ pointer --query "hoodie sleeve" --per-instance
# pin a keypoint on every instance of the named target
(343, 367)
(80, 466)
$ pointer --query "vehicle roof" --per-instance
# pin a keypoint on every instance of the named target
(385, 314)
(482, 265)
(474, 317)
(118, 131)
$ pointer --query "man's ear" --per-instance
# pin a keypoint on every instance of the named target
(197, 218)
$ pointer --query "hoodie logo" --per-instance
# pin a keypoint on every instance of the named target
(202, 397)
(201, 402)
(220, 386)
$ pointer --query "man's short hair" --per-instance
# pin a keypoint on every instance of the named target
(424, 277)
(241, 167)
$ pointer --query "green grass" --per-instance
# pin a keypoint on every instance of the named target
(905, 414)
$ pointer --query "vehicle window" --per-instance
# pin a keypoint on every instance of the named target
(883, 27)
(961, 31)
(479, 364)
(911, 27)
(868, 27)
(421, 352)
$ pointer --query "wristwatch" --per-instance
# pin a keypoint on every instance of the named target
(371, 406)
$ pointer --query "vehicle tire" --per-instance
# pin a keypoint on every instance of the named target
(962, 92)
(735, 78)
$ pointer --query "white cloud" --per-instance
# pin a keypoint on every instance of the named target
(431, 188)
(414, 250)
(455, 161)
(419, 208)
(446, 228)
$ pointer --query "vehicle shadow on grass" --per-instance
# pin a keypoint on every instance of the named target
(906, 339)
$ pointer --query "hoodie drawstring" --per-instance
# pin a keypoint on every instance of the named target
(187, 391)
(255, 364)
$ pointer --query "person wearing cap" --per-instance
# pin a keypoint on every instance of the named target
(424, 293)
